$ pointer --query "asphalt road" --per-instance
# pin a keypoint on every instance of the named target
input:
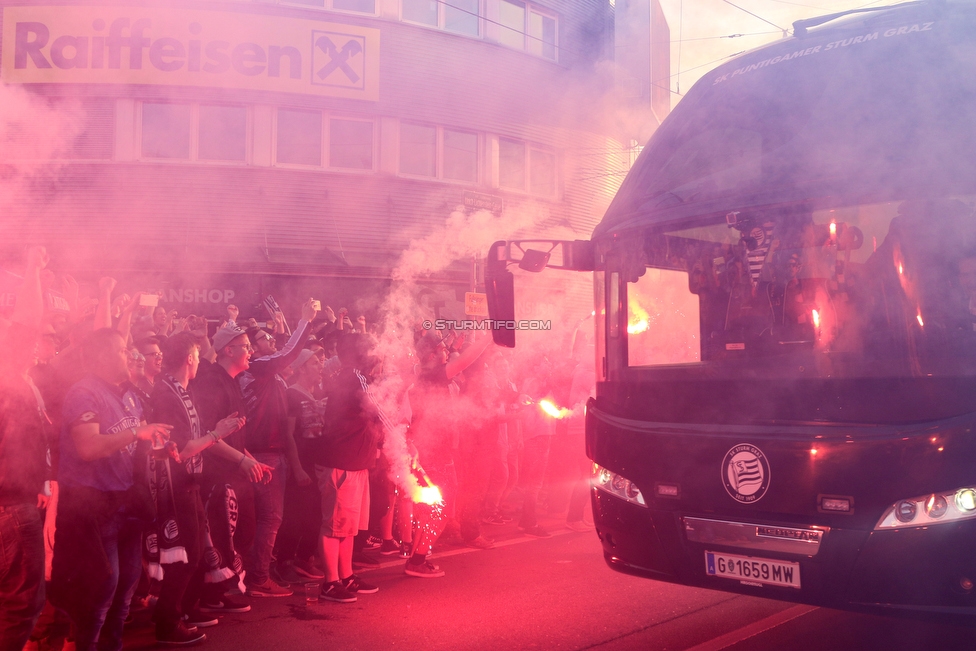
(558, 594)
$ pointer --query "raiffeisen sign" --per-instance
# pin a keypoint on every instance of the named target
(137, 45)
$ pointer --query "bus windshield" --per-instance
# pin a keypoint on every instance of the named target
(866, 111)
(867, 290)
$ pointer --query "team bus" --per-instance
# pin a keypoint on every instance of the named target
(785, 290)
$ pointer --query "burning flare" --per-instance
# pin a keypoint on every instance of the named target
(816, 319)
(552, 410)
(426, 492)
(639, 319)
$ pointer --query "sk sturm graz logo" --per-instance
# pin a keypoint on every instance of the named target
(338, 60)
(745, 472)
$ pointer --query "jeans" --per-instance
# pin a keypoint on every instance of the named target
(101, 627)
(21, 573)
(535, 458)
(269, 506)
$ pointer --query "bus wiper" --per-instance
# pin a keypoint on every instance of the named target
(800, 26)
(674, 197)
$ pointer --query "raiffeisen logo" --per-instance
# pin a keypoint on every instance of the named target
(193, 48)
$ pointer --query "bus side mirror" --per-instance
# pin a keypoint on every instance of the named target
(534, 261)
(500, 291)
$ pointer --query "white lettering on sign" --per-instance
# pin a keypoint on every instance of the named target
(198, 295)
(825, 47)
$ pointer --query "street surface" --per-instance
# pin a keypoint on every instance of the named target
(554, 593)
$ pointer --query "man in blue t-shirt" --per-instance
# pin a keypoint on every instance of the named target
(102, 506)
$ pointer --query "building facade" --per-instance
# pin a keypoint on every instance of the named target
(225, 150)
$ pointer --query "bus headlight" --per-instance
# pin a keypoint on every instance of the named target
(616, 485)
(936, 508)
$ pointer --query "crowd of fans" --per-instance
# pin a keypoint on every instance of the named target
(154, 461)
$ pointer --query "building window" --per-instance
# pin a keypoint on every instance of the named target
(511, 164)
(460, 156)
(438, 152)
(542, 34)
(526, 27)
(303, 137)
(458, 16)
(351, 144)
(418, 150)
(166, 130)
(194, 132)
(526, 168)
(299, 137)
(223, 133)
(358, 6)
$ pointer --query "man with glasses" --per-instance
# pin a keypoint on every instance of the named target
(149, 348)
(267, 436)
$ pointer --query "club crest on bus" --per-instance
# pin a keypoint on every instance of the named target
(745, 473)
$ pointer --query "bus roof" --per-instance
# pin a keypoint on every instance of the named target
(878, 105)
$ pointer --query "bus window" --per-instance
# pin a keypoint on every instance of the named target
(662, 324)
(849, 291)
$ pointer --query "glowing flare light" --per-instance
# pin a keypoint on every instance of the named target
(637, 328)
(552, 410)
(816, 319)
(428, 495)
(426, 491)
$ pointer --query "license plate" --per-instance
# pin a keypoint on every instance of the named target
(752, 570)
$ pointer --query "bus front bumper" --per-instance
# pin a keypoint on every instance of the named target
(928, 571)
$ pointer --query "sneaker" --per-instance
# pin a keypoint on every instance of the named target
(179, 635)
(389, 548)
(497, 519)
(373, 542)
(225, 605)
(335, 591)
(308, 570)
(268, 589)
(579, 525)
(536, 531)
(356, 585)
(451, 537)
(197, 619)
(364, 560)
(285, 574)
(425, 570)
(480, 543)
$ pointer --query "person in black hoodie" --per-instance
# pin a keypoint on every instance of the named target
(268, 438)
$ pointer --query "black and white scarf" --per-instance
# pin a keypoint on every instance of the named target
(163, 544)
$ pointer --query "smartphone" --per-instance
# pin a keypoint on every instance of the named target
(316, 305)
(149, 300)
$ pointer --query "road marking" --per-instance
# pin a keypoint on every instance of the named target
(465, 550)
(763, 625)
